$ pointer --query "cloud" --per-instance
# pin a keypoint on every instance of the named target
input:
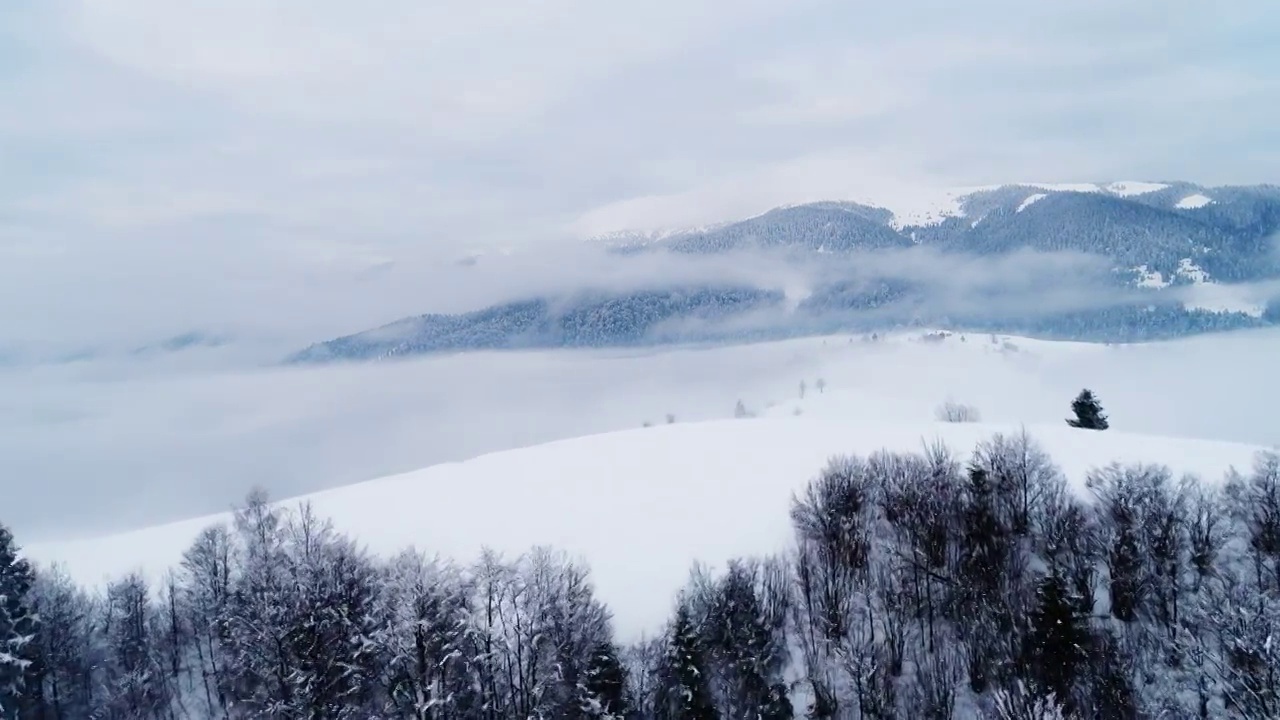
(177, 164)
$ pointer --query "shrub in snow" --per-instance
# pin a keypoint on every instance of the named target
(1016, 703)
(957, 413)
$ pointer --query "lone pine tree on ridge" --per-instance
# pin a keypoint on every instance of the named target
(1088, 410)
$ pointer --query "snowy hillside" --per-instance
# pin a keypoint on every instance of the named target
(640, 506)
(207, 439)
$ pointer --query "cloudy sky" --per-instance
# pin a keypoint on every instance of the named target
(161, 155)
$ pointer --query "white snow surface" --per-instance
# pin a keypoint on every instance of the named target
(1191, 202)
(640, 506)
(1187, 268)
(1148, 278)
(1031, 200)
(920, 209)
(1126, 188)
(932, 206)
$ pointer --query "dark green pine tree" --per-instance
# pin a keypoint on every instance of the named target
(1088, 411)
(1124, 558)
(17, 626)
(742, 646)
(684, 691)
(606, 682)
(1056, 646)
(1112, 695)
(985, 549)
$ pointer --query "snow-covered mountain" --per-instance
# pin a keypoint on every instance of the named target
(1121, 261)
(917, 207)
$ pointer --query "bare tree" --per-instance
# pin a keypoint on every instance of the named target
(937, 675)
(954, 412)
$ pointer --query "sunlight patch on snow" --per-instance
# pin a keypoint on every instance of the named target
(1191, 202)
(1127, 188)
(1150, 278)
(1189, 270)
(918, 208)
(1031, 200)
(639, 506)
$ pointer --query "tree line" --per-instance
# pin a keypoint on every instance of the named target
(917, 586)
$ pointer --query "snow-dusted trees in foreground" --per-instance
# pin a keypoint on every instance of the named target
(18, 626)
(283, 617)
(927, 589)
(917, 587)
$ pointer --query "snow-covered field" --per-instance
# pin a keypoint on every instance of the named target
(103, 454)
(640, 505)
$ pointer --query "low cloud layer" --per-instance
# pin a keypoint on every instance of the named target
(258, 318)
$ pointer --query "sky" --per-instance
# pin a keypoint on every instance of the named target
(282, 172)
(185, 163)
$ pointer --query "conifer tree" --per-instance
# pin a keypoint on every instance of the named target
(606, 682)
(684, 691)
(744, 647)
(1088, 412)
(17, 625)
(983, 567)
(1055, 646)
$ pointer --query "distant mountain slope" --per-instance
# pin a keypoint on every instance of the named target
(1231, 235)
(734, 479)
(1147, 237)
(821, 227)
(590, 320)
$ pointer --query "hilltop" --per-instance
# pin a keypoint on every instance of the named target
(641, 505)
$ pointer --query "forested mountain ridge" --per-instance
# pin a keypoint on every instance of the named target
(1139, 261)
(1227, 231)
